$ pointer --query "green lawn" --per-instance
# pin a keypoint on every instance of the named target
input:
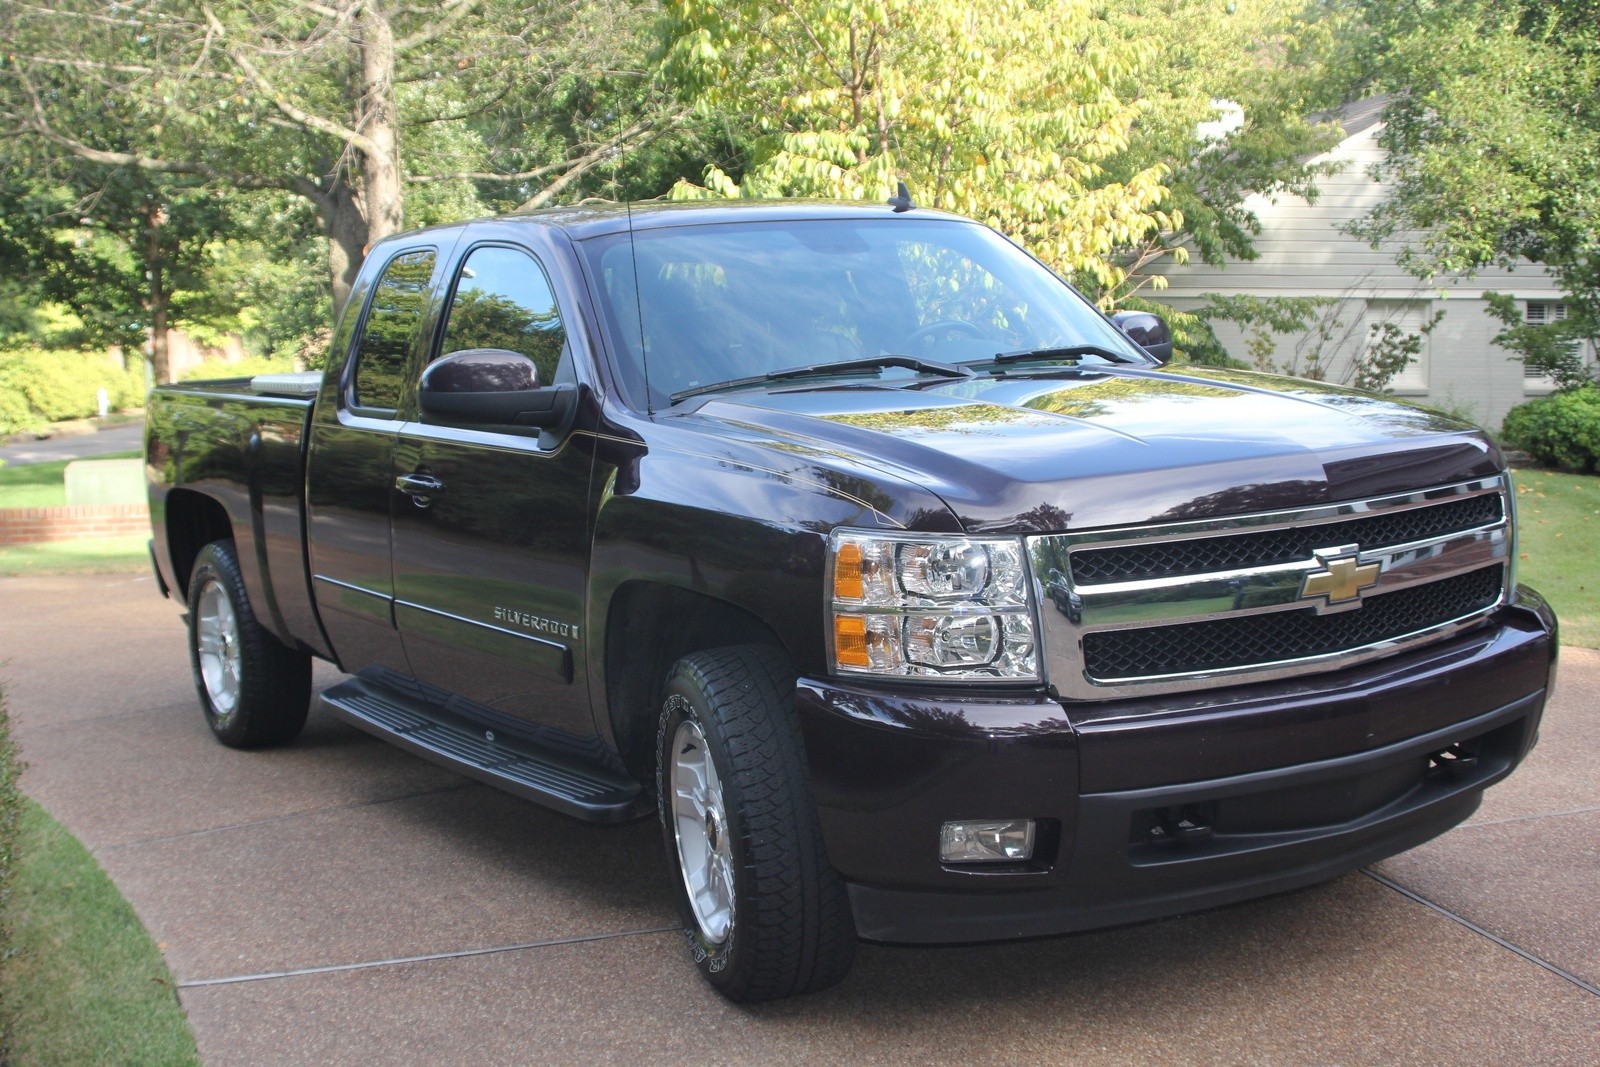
(1559, 548)
(86, 984)
(88, 555)
(40, 485)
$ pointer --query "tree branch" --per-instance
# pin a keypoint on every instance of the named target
(586, 163)
(452, 12)
(598, 153)
(295, 114)
(40, 126)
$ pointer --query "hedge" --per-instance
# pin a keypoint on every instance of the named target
(248, 367)
(1559, 430)
(39, 386)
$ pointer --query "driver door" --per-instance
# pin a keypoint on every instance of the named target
(491, 558)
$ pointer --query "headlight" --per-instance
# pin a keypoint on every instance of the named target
(931, 606)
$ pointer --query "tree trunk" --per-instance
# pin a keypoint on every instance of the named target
(157, 300)
(381, 192)
(347, 232)
(160, 363)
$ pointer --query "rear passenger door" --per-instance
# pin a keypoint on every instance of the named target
(490, 569)
(350, 480)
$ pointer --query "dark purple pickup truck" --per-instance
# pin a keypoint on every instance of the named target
(916, 599)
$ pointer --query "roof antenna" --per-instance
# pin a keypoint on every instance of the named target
(901, 200)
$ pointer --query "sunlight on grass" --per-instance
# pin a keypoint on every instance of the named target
(1558, 552)
(87, 555)
(86, 984)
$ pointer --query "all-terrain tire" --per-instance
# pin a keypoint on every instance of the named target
(790, 930)
(254, 690)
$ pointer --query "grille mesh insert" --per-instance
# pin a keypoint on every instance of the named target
(1231, 551)
(1285, 635)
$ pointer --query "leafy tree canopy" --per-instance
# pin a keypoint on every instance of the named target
(1006, 110)
(1492, 136)
(1069, 125)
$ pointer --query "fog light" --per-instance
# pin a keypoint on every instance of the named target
(986, 842)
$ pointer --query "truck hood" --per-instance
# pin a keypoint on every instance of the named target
(1079, 448)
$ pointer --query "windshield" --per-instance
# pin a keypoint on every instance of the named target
(718, 303)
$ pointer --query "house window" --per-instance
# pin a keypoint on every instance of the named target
(1540, 313)
(1411, 317)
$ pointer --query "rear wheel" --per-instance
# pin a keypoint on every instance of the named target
(765, 915)
(253, 689)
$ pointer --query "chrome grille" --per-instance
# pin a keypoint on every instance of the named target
(1282, 546)
(1284, 635)
(1195, 604)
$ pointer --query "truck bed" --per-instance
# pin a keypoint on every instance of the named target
(243, 448)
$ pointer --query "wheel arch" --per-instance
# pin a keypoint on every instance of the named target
(193, 521)
(651, 625)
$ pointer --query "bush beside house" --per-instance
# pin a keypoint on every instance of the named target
(1560, 430)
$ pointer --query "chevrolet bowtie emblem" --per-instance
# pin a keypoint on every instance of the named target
(1340, 578)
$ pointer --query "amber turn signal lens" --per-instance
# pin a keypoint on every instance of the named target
(847, 572)
(850, 641)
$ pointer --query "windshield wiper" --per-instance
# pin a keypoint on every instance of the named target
(1064, 352)
(823, 370)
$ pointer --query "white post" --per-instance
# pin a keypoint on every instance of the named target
(104, 400)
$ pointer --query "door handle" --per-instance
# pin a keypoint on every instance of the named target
(419, 487)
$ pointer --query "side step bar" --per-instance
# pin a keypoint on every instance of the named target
(586, 793)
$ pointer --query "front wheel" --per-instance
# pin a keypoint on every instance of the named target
(765, 915)
(253, 689)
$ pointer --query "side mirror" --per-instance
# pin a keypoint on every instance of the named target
(492, 387)
(1149, 332)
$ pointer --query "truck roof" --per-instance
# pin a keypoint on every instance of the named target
(595, 219)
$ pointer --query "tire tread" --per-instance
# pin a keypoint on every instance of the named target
(802, 937)
(275, 680)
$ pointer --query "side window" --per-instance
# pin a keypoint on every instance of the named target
(398, 304)
(503, 300)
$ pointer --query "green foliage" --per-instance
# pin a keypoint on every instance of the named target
(1552, 348)
(1263, 320)
(248, 367)
(38, 386)
(1227, 106)
(1071, 126)
(1491, 135)
(1324, 336)
(1560, 430)
(1005, 110)
(1390, 349)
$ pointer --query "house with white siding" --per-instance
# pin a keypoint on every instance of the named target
(1305, 252)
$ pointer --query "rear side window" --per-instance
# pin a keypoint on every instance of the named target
(399, 302)
(503, 300)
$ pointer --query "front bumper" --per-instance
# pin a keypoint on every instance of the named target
(1293, 782)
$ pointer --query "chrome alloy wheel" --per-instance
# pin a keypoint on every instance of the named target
(700, 823)
(217, 641)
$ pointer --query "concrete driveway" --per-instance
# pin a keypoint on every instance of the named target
(338, 901)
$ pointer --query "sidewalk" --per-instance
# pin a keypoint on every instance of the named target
(129, 438)
(338, 901)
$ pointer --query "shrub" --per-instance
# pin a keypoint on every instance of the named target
(39, 385)
(1559, 430)
(248, 367)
